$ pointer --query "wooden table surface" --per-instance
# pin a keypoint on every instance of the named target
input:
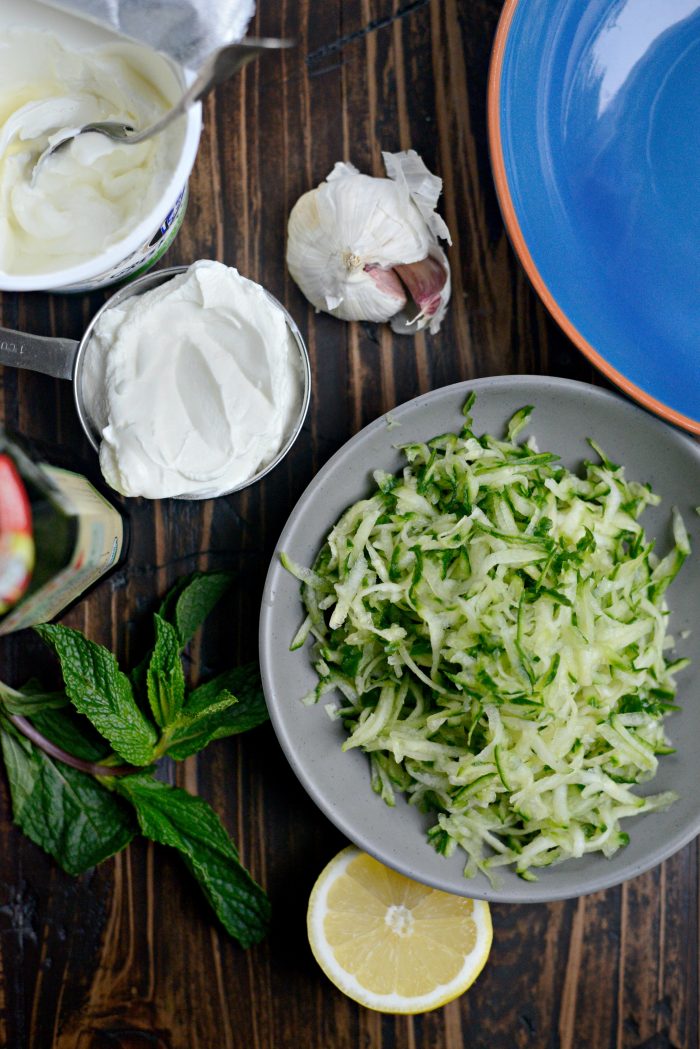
(128, 956)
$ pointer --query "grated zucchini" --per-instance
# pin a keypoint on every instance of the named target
(497, 629)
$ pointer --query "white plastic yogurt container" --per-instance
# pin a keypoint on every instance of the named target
(156, 227)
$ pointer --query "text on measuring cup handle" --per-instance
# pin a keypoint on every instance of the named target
(12, 347)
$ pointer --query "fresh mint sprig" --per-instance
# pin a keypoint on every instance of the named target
(105, 718)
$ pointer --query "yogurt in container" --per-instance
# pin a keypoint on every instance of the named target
(98, 211)
(196, 387)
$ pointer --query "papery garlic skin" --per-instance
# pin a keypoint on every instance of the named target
(346, 236)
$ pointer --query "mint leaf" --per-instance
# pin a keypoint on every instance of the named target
(72, 733)
(30, 698)
(231, 703)
(67, 813)
(171, 816)
(98, 689)
(16, 752)
(245, 684)
(192, 731)
(165, 679)
(189, 603)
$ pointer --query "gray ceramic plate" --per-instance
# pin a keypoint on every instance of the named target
(565, 414)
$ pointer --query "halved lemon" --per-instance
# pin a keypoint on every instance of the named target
(390, 943)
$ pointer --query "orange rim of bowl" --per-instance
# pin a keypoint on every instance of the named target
(518, 241)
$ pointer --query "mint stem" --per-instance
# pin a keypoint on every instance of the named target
(25, 726)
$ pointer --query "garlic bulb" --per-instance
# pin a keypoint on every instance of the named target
(366, 248)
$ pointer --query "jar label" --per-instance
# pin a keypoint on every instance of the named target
(16, 535)
(97, 547)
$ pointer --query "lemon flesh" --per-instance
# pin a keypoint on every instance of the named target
(390, 943)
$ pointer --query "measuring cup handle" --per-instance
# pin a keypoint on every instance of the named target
(37, 353)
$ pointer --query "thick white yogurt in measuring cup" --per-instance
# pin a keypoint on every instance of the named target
(195, 386)
(92, 193)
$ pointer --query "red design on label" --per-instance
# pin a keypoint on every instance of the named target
(15, 511)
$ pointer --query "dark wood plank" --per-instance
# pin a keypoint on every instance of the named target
(129, 956)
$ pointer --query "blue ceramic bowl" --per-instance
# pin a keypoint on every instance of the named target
(594, 124)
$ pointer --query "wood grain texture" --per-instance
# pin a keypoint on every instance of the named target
(128, 957)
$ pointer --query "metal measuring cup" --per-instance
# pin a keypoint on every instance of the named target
(65, 359)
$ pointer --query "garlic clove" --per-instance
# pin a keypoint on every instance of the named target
(429, 284)
(389, 281)
(425, 281)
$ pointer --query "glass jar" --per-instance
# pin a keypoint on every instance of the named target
(58, 536)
